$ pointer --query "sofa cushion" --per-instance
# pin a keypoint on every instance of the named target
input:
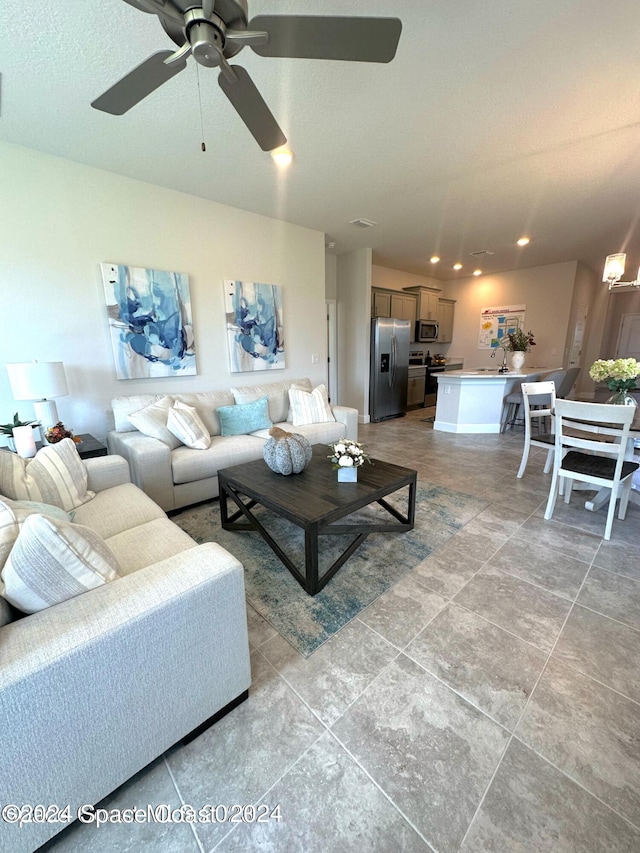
(125, 406)
(244, 418)
(310, 407)
(325, 433)
(206, 404)
(6, 613)
(277, 394)
(188, 466)
(148, 544)
(53, 561)
(152, 421)
(13, 515)
(187, 426)
(119, 508)
(56, 475)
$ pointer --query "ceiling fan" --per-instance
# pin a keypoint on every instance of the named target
(213, 31)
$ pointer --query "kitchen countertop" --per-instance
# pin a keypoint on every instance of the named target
(494, 372)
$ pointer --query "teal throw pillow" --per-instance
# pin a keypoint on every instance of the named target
(244, 418)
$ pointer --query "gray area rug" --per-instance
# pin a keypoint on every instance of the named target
(308, 621)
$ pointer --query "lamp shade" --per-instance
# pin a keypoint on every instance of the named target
(37, 380)
(614, 267)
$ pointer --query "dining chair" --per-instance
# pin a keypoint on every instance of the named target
(603, 464)
(537, 391)
(566, 385)
(513, 401)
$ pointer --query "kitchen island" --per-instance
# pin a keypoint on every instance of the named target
(471, 401)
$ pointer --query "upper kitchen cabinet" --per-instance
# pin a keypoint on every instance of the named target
(446, 308)
(427, 307)
(380, 303)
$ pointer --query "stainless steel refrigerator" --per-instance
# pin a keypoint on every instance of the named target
(389, 368)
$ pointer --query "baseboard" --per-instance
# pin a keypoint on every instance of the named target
(214, 719)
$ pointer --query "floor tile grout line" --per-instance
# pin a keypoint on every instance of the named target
(348, 752)
(577, 782)
(526, 705)
(607, 616)
(182, 801)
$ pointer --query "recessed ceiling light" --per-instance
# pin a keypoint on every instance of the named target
(477, 272)
(523, 241)
(282, 156)
(435, 259)
(457, 266)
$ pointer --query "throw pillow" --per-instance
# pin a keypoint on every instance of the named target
(241, 420)
(53, 561)
(185, 423)
(56, 475)
(301, 385)
(13, 514)
(152, 421)
(275, 392)
(310, 408)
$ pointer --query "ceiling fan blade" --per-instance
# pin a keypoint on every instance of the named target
(207, 7)
(163, 8)
(137, 84)
(316, 37)
(250, 106)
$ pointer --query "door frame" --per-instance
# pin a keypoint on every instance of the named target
(332, 350)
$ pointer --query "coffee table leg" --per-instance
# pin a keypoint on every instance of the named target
(224, 512)
(311, 558)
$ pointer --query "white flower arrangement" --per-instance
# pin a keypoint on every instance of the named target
(620, 374)
(347, 454)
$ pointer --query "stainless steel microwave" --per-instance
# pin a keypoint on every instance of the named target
(426, 330)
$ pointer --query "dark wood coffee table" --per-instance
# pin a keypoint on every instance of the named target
(315, 501)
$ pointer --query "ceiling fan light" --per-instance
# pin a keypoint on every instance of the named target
(457, 266)
(282, 157)
(614, 267)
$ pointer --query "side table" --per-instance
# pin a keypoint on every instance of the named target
(90, 447)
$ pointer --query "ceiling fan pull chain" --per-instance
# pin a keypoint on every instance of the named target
(202, 144)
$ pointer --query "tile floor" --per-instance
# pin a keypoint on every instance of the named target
(490, 701)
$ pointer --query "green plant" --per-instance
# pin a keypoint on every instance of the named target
(519, 341)
(7, 429)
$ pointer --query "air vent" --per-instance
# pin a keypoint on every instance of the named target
(481, 253)
(363, 223)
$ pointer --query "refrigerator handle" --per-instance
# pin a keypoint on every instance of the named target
(392, 372)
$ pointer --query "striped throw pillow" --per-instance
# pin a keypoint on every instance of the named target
(55, 560)
(56, 475)
(152, 421)
(186, 424)
(13, 514)
(310, 407)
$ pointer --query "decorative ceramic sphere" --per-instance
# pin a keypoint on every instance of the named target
(286, 452)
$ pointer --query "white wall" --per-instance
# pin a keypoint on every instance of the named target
(330, 276)
(398, 280)
(546, 291)
(59, 220)
(354, 329)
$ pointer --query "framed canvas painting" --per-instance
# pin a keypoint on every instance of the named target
(150, 322)
(255, 329)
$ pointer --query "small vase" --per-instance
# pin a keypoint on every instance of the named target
(348, 475)
(622, 398)
(517, 359)
(24, 441)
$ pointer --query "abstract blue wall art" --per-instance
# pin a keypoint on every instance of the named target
(149, 321)
(255, 330)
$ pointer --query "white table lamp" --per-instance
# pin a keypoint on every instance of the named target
(39, 381)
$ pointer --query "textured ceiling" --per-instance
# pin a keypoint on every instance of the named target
(495, 119)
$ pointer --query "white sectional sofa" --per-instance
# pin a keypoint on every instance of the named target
(180, 476)
(94, 688)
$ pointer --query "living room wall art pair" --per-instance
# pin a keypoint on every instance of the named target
(255, 329)
(150, 322)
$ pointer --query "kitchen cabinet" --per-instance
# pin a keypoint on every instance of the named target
(394, 303)
(446, 309)
(404, 308)
(380, 303)
(415, 390)
(427, 302)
